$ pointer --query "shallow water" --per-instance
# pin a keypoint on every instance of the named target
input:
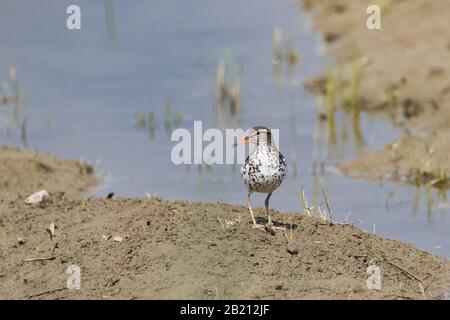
(85, 88)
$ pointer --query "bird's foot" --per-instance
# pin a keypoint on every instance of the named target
(258, 226)
(265, 228)
(268, 227)
(271, 228)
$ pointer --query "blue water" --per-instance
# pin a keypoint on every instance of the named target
(85, 88)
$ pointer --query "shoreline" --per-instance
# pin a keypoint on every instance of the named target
(134, 248)
(410, 88)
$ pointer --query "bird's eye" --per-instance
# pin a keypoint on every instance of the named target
(257, 133)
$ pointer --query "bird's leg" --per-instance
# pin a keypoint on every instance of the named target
(255, 225)
(269, 219)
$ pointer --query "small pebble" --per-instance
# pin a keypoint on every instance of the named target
(118, 238)
(292, 249)
(37, 197)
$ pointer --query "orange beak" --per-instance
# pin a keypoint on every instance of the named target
(242, 141)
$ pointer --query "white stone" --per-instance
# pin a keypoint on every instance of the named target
(118, 238)
(37, 197)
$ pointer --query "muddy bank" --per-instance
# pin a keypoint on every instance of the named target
(401, 71)
(152, 248)
(26, 171)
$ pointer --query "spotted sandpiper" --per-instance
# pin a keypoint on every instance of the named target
(263, 170)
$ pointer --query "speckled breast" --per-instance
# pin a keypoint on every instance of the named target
(263, 171)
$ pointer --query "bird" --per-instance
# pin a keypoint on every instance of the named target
(263, 171)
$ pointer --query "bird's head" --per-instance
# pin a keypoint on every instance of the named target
(257, 135)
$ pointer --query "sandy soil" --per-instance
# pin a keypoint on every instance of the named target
(152, 248)
(402, 71)
(26, 171)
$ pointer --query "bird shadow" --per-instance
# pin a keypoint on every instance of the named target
(264, 221)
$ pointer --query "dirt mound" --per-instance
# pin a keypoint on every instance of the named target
(151, 248)
(26, 171)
